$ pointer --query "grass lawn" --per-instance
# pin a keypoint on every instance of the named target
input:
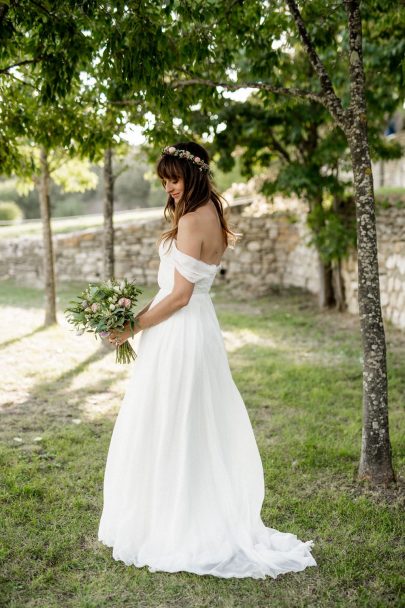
(299, 372)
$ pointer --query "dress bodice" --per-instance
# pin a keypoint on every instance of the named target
(196, 271)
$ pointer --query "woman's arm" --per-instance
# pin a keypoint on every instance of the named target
(144, 309)
(189, 242)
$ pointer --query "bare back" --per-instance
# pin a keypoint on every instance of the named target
(213, 242)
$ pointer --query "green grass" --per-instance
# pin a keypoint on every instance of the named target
(299, 372)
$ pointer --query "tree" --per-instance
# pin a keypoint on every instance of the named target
(45, 206)
(105, 123)
(41, 53)
(349, 112)
(70, 175)
(42, 49)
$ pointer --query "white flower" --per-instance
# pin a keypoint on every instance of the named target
(172, 150)
(112, 306)
(116, 289)
(122, 285)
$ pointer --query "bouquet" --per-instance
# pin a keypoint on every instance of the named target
(105, 307)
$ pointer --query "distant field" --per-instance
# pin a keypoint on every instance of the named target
(81, 222)
(71, 224)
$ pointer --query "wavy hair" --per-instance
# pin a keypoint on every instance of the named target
(198, 190)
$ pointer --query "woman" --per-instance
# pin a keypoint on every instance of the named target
(184, 484)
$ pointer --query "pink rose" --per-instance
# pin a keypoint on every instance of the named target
(125, 302)
(172, 150)
(95, 307)
(197, 159)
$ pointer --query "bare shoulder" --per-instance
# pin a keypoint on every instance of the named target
(189, 222)
(189, 235)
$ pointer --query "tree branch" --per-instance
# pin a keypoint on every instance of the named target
(24, 82)
(119, 173)
(234, 86)
(124, 102)
(357, 79)
(25, 62)
(331, 100)
(41, 7)
(277, 146)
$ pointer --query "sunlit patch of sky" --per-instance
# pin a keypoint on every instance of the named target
(87, 79)
(133, 134)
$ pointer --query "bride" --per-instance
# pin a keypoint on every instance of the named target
(184, 484)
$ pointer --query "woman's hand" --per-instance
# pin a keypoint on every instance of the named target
(119, 337)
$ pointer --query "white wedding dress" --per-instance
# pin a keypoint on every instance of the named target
(184, 484)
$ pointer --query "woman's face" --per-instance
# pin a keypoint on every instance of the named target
(174, 187)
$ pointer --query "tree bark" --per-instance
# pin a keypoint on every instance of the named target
(108, 236)
(49, 273)
(376, 456)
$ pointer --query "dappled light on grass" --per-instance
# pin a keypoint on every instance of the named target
(238, 339)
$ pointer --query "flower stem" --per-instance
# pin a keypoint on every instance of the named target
(125, 353)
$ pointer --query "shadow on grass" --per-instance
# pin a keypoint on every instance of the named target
(53, 401)
(7, 343)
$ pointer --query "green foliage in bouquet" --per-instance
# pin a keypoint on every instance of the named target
(104, 307)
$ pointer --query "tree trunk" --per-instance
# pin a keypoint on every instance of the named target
(338, 286)
(108, 237)
(376, 456)
(326, 296)
(337, 278)
(49, 273)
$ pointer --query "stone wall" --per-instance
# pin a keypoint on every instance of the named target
(272, 250)
(391, 263)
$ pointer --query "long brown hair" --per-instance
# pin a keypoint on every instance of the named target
(198, 190)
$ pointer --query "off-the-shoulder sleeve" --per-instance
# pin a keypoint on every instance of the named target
(189, 267)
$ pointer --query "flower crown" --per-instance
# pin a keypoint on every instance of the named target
(196, 160)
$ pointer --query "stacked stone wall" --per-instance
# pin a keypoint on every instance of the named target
(273, 250)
